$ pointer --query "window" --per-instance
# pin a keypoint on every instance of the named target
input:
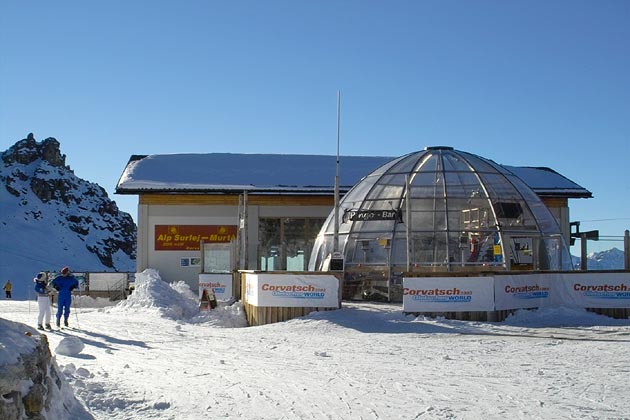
(286, 243)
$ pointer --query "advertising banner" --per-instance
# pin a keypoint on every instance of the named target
(595, 290)
(292, 290)
(220, 283)
(448, 294)
(188, 237)
(523, 291)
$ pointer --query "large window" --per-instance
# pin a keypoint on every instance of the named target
(286, 243)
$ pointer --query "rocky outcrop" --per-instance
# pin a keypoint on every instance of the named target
(29, 386)
(36, 174)
(29, 150)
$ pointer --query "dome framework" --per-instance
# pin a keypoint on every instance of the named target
(438, 210)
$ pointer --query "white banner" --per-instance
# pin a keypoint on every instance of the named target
(448, 294)
(595, 290)
(221, 283)
(523, 291)
(292, 290)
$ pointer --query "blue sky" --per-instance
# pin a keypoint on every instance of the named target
(531, 83)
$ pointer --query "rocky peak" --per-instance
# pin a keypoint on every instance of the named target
(28, 150)
(36, 175)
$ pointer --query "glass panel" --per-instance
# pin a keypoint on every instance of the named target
(286, 243)
(453, 163)
(217, 258)
(428, 163)
(399, 251)
(269, 240)
(428, 204)
(465, 185)
(559, 258)
(363, 250)
(546, 222)
(357, 194)
(428, 221)
(421, 179)
(387, 192)
(481, 247)
(396, 165)
(295, 243)
(330, 219)
(499, 186)
(428, 248)
(483, 165)
(320, 252)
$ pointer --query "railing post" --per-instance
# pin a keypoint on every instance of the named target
(583, 261)
(626, 249)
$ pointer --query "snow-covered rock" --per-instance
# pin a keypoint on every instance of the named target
(70, 346)
(50, 218)
(31, 385)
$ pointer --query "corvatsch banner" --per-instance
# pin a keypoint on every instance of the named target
(448, 294)
(188, 237)
(292, 290)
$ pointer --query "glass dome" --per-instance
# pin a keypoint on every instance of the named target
(437, 210)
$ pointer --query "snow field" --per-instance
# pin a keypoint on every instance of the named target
(364, 361)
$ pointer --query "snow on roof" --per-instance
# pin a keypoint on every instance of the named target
(243, 172)
(547, 182)
(312, 174)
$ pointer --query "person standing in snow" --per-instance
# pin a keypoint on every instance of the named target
(65, 284)
(7, 289)
(42, 291)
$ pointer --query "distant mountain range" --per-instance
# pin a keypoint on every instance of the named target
(611, 259)
(50, 218)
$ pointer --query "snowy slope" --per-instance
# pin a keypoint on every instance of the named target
(50, 218)
(364, 361)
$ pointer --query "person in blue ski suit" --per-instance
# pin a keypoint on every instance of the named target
(65, 284)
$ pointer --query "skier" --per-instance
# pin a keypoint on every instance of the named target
(42, 291)
(65, 284)
(7, 289)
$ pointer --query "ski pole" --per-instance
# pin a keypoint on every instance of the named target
(75, 308)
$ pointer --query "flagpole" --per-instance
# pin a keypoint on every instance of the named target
(336, 213)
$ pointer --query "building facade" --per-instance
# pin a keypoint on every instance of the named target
(217, 212)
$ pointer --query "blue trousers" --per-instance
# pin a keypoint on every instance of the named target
(63, 305)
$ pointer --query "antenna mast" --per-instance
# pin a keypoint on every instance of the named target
(336, 214)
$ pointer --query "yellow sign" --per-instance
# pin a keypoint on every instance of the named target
(497, 250)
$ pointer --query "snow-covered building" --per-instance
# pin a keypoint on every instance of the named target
(252, 211)
(217, 212)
